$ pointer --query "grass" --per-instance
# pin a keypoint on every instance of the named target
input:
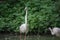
(31, 37)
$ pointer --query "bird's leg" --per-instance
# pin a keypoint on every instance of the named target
(25, 36)
(20, 36)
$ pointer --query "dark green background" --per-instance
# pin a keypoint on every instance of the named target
(41, 15)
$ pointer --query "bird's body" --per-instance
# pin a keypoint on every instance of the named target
(55, 31)
(23, 28)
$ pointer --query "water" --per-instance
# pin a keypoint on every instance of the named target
(30, 37)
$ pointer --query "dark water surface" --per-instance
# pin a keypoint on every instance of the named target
(29, 37)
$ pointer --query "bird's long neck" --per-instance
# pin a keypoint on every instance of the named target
(51, 31)
(26, 17)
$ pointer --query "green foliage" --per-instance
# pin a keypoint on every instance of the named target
(41, 15)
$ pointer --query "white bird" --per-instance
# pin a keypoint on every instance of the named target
(24, 27)
(55, 31)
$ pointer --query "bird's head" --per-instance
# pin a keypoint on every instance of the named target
(25, 8)
(49, 28)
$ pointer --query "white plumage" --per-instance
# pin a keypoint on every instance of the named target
(55, 31)
(23, 28)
